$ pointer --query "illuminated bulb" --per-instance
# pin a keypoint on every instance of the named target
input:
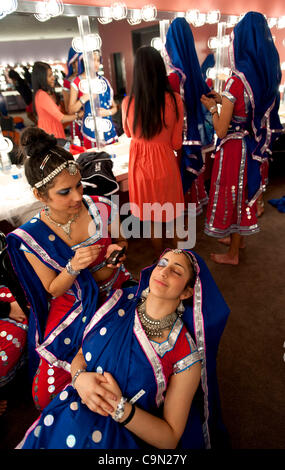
(213, 16)
(103, 125)
(271, 22)
(54, 7)
(6, 145)
(283, 66)
(200, 20)
(213, 43)
(192, 15)
(8, 6)
(105, 15)
(180, 14)
(211, 73)
(136, 17)
(92, 42)
(156, 43)
(97, 86)
(149, 12)
(119, 11)
(281, 22)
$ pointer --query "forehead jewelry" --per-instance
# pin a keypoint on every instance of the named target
(70, 165)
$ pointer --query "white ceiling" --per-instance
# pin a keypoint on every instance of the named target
(22, 26)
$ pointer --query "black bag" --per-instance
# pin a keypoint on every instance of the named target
(97, 174)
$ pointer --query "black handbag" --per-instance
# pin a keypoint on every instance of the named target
(97, 175)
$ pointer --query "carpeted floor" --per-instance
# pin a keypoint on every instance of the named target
(251, 360)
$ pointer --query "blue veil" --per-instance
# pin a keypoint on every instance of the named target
(72, 57)
(198, 128)
(255, 60)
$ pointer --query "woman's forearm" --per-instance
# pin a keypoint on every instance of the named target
(151, 429)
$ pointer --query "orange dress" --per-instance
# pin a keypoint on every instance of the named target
(49, 115)
(154, 175)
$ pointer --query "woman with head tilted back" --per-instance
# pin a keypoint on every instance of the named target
(50, 116)
(60, 258)
(153, 117)
(135, 381)
(246, 128)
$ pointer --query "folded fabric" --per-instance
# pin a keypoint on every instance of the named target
(278, 203)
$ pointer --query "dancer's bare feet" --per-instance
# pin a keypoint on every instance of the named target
(260, 207)
(227, 241)
(3, 406)
(225, 258)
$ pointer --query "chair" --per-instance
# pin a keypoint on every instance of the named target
(8, 276)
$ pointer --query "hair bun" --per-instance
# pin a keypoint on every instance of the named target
(36, 142)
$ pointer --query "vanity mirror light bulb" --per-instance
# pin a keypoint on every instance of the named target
(149, 12)
(119, 11)
(156, 43)
(272, 22)
(135, 17)
(192, 15)
(213, 16)
(280, 22)
(105, 15)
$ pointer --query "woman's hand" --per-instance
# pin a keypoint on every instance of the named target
(112, 386)
(216, 96)
(16, 313)
(95, 393)
(208, 102)
(84, 256)
(110, 250)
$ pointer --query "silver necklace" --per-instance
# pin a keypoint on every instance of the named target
(65, 227)
(153, 327)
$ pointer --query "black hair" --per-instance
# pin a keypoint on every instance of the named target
(150, 83)
(39, 77)
(35, 143)
(21, 86)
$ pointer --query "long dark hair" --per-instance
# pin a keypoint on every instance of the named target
(39, 77)
(150, 83)
(39, 81)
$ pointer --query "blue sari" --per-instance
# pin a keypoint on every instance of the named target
(106, 100)
(63, 342)
(198, 126)
(115, 341)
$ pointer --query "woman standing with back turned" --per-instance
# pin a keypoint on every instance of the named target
(245, 126)
(153, 117)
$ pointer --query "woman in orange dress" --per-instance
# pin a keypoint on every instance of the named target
(50, 116)
(153, 117)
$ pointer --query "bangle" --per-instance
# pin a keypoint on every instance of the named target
(214, 113)
(70, 269)
(130, 417)
(77, 373)
(120, 410)
(213, 109)
(82, 101)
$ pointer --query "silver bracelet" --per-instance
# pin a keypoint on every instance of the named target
(120, 410)
(77, 373)
(213, 109)
(70, 269)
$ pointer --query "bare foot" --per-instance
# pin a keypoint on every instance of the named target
(227, 241)
(260, 208)
(225, 259)
(3, 406)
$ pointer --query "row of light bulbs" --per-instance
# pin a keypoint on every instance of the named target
(47, 9)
